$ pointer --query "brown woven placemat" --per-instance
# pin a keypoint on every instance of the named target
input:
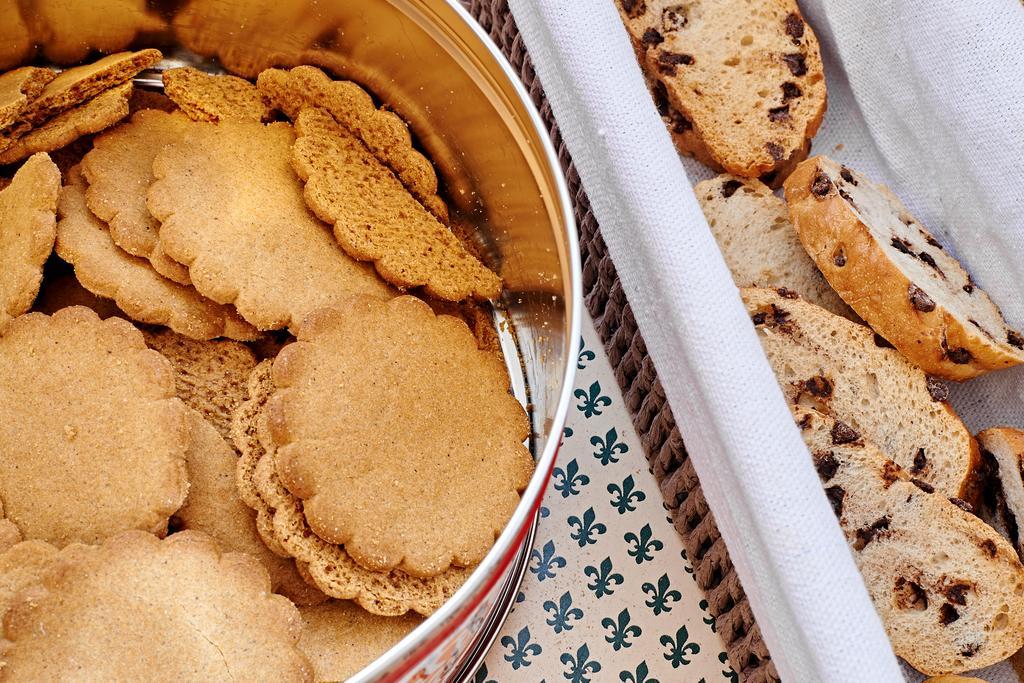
(644, 397)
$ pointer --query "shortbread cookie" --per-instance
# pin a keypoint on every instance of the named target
(213, 507)
(748, 80)
(1002, 450)
(206, 97)
(120, 170)
(827, 362)
(69, 31)
(409, 246)
(28, 220)
(150, 99)
(16, 44)
(340, 638)
(248, 37)
(383, 132)
(376, 219)
(283, 528)
(949, 589)
(102, 268)
(758, 242)
(62, 291)
(23, 565)
(210, 376)
(18, 88)
(92, 439)
(231, 209)
(82, 83)
(896, 275)
(371, 438)
(95, 115)
(137, 605)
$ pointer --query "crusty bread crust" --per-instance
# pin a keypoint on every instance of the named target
(877, 288)
(745, 90)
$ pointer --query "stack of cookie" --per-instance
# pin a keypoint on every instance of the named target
(254, 410)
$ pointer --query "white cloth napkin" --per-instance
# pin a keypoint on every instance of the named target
(926, 95)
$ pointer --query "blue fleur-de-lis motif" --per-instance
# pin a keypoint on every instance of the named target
(686, 564)
(481, 675)
(624, 498)
(592, 401)
(579, 668)
(562, 614)
(566, 433)
(662, 595)
(544, 511)
(728, 673)
(520, 649)
(608, 448)
(643, 546)
(620, 630)
(604, 578)
(586, 528)
(586, 355)
(709, 620)
(639, 676)
(569, 481)
(679, 647)
(547, 561)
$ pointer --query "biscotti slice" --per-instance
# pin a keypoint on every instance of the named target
(896, 275)
(949, 589)
(1002, 452)
(826, 362)
(747, 77)
(758, 242)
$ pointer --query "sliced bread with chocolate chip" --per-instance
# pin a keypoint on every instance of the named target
(1002, 453)
(949, 589)
(896, 275)
(747, 79)
(827, 362)
(759, 244)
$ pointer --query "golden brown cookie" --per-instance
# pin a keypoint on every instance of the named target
(376, 219)
(370, 439)
(95, 115)
(103, 269)
(69, 31)
(231, 209)
(65, 290)
(82, 83)
(206, 97)
(213, 507)
(27, 227)
(120, 170)
(340, 638)
(210, 376)
(18, 88)
(150, 99)
(138, 605)
(247, 37)
(23, 565)
(383, 132)
(92, 437)
(15, 40)
(284, 530)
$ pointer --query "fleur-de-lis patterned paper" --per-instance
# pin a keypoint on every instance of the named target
(609, 594)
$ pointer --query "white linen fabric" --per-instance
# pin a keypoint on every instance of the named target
(926, 95)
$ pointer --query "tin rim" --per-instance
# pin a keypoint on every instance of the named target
(518, 534)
